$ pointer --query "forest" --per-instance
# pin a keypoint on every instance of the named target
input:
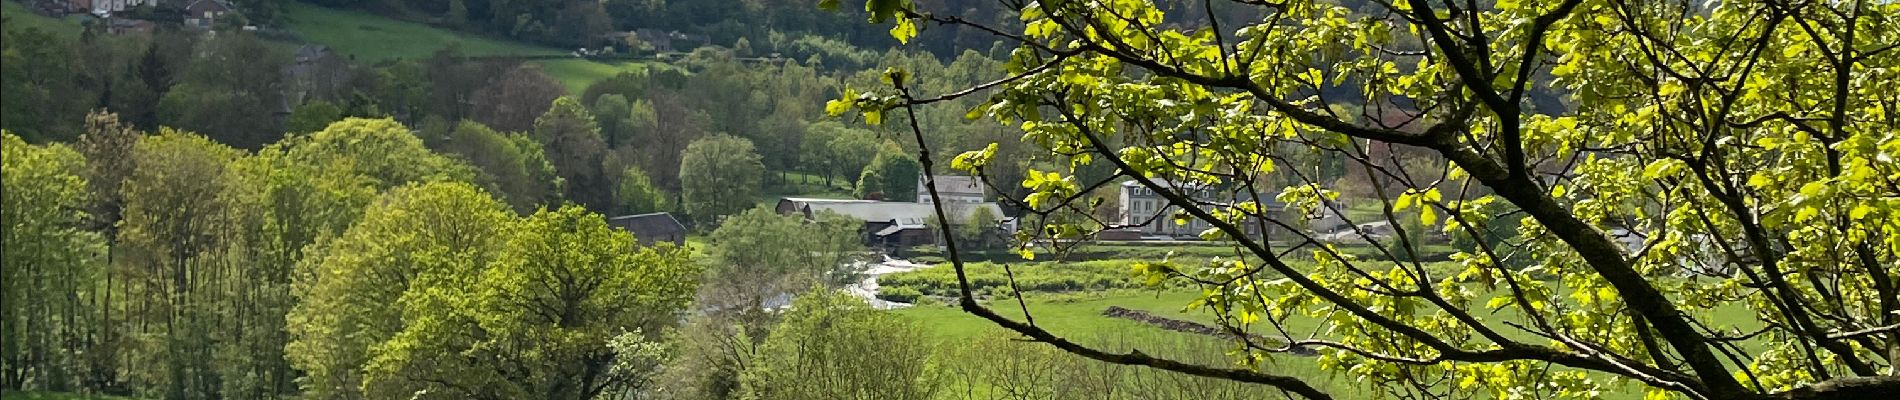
(1403, 199)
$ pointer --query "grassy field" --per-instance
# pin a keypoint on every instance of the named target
(371, 39)
(1078, 316)
(576, 74)
(799, 184)
(18, 16)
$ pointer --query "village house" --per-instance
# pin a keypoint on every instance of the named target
(107, 7)
(953, 189)
(652, 228)
(1152, 216)
(204, 14)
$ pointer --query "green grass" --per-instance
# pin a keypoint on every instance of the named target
(371, 38)
(1078, 316)
(11, 395)
(18, 16)
(799, 184)
(576, 74)
(1073, 315)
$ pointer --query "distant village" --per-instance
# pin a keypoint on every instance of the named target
(894, 226)
(143, 16)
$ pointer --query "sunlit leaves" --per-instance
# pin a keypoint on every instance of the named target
(1705, 142)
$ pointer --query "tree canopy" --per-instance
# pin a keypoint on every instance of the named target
(720, 175)
(1666, 161)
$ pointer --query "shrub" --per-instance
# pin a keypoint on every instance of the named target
(902, 294)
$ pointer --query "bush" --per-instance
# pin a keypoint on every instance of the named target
(903, 294)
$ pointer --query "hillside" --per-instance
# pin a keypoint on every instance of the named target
(370, 38)
(19, 16)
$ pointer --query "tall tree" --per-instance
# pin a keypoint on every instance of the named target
(635, 194)
(758, 256)
(172, 232)
(36, 72)
(719, 176)
(356, 298)
(513, 101)
(616, 118)
(663, 144)
(232, 93)
(891, 176)
(1742, 143)
(512, 166)
(48, 269)
(817, 352)
(573, 142)
(846, 150)
(381, 150)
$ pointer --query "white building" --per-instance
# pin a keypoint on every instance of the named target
(107, 7)
(1152, 215)
(954, 190)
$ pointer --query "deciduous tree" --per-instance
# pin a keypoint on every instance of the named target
(719, 176)
(1742, 144)
(818, 352)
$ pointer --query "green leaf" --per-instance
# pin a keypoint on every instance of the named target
(1860, 211)
(904, 30)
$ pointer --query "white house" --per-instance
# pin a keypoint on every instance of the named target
(1150, 214)
(107, 7)
(953, 189)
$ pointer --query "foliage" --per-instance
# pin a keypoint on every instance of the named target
(224, 93)
(369, 294)
(512, 166)
(572, 140)
(379, 149)
(758, 254)
(516, 100)
(901, 294)
(635, 194)
(834, 149)
(1742, 142)
(709, 354)
(818, 352)
(171, 236)
(32, 63)
(615, 115)
(312, 116)
(720, 175)
(48, 259)
(892, 176)
(557, 294)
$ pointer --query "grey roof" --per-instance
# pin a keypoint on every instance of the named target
(901, 213)
(648, 226)
(810, 200)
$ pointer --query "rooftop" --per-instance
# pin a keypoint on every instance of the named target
(902, 213)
